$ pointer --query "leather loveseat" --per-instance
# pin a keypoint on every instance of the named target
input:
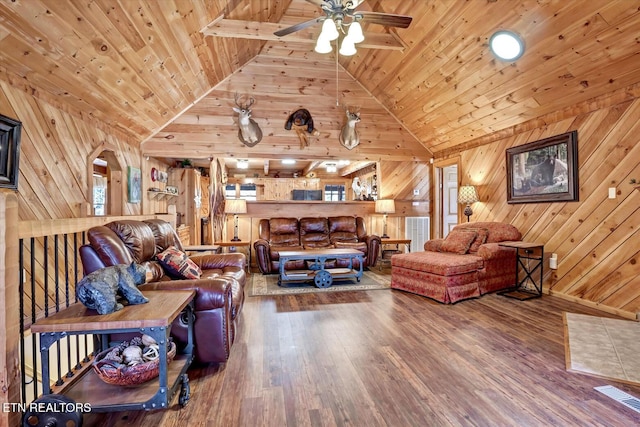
(290, 234)
(219, 290)
(468, 263)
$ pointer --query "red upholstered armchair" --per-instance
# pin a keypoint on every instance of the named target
(280, 234)
(467, 264)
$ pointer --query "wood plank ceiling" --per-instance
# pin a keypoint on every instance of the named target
(137, 66)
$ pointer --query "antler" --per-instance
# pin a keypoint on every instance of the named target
(238, 98)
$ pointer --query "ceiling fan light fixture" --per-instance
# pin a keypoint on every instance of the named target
(323, 45)
(348, 48)
(355, 32)
(329, 30)
(506, 45)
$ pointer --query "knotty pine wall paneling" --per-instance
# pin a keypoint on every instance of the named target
(54, 146)
(596, 238)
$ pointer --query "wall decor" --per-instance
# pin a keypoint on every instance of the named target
(249, 132)
(303, 126)
(10, 131)
(134, 184)
(544, 170)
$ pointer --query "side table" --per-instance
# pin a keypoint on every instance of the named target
(154, 319)
(529, 258)
(233, 247)
(385, 241)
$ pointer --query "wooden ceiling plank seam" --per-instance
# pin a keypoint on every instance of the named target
(155, 131)
(496, 90)
(451, 41)
(103, 32)
(393, 65)
(157, 71)
(400, 123)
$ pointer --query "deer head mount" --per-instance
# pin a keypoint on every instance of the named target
(249, 132)
(349, 137)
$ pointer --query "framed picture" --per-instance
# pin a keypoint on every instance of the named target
(10, 131)
(134, 184)
(544, 170)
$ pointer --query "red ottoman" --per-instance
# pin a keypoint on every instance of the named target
(444, 277)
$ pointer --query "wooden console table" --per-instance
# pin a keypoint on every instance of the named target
(154, 319)
(529, 257)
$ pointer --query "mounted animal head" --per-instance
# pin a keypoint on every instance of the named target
(249, 132)
(349, 137)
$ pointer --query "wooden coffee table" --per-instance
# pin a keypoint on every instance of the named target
(322, 278)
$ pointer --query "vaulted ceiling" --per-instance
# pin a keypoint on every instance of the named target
(165, 72)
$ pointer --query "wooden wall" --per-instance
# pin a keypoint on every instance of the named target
(596, 239)
(55, 145)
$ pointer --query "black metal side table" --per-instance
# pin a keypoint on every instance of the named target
(529, 259)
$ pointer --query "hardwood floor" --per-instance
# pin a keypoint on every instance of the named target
(389, 358)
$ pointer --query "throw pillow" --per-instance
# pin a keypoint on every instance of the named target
(458, 241)
(178, 265)
(480, 239)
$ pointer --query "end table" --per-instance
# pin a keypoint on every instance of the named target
(529, 257)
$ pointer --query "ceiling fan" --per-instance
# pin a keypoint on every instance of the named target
(340, 15)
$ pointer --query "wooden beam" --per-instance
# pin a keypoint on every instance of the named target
(311, 166)
(265, 31)
(354, 167)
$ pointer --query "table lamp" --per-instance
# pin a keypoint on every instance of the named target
(235, 207)
(385, 206)
(467, 195)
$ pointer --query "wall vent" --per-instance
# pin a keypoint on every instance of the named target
(417, 229)
(620, 396)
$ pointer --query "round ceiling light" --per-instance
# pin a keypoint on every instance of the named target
(506, 45)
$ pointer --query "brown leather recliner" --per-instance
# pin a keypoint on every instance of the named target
(219, 291)
(288, 234)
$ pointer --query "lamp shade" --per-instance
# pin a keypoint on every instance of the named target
(467, 194)
(355, 32)
(235, 206)
(385, 206)
(348, 47)
(329, 30)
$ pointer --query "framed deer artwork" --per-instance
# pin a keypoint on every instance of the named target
(544, 170)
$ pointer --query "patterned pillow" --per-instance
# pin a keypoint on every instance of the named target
(458, 241)
(178, 265)
(480, 239)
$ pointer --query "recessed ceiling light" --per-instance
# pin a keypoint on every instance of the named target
(288, 161)
(506, 45)
(242, 164)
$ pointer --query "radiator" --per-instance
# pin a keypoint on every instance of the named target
(417, 229)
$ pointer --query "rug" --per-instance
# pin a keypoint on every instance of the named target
(268, 284)
(602, 347)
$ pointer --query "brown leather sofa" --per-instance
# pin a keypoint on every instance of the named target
(219, 291)
(288, 234)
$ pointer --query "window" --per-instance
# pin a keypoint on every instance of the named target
(248, 191)
(334, 193)
(99, 195)
(230, 191)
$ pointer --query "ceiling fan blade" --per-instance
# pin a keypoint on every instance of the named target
(298, 27)
(388, 19)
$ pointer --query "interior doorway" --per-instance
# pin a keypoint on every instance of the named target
(104, 183)
(446, 190)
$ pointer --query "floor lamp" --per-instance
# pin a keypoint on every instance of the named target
(385, 206)
(467, 195)
(235, 207)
